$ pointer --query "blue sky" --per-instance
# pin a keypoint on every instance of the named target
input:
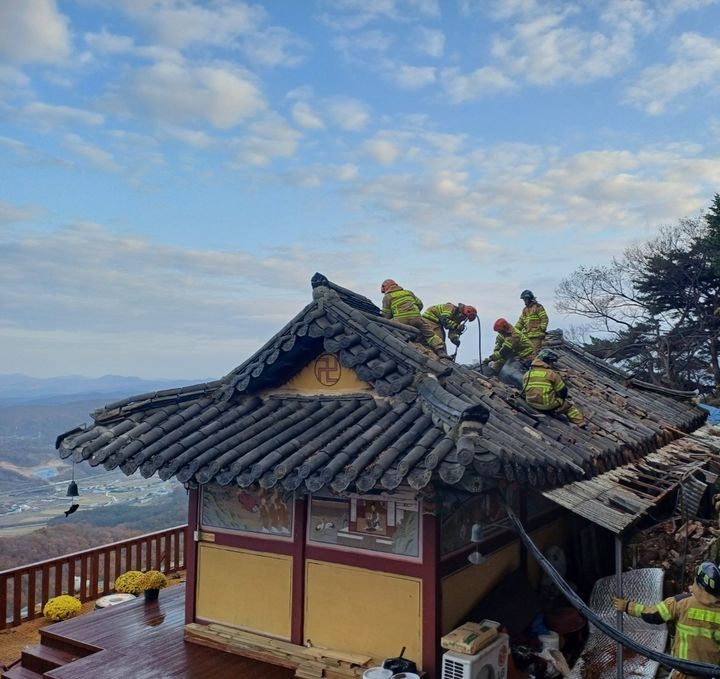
(172, 173)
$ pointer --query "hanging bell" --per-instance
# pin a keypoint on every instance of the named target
(72, 490)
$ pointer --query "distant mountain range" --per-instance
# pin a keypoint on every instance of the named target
(16, 389)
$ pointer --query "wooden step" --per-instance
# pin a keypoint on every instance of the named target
(20, 672)
(41, 658)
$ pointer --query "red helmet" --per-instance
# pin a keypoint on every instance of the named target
(387, 284)
(501, 325)
(469, 311)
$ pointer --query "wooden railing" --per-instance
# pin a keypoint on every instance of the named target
(88, 575)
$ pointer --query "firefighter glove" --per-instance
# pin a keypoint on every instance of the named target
(620, 604)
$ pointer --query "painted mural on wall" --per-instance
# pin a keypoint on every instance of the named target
(460, 513)
(375, 523)
(254, 510)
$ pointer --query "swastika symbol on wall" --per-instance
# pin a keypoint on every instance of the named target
(327, 370)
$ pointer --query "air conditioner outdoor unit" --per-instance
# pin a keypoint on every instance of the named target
(490, 662)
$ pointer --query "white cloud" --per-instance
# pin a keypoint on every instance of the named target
(178, 24)
(696, 65)
(383, 151)
(347, 113)
(222, 96)
(52, 114)
(483, 82)
(304, 116)
(349, 44)
(110, 44)
(100, 158)
(273, 47)
(264, 141)
(196, 138)
(410, 77)
(33, 31)
(543, 51)
(348, 15)
(430, 42)
(14, 214)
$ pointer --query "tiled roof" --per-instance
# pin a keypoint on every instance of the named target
(424, 420)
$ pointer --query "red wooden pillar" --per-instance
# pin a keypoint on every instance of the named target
(431, 595)
(192, 536)
(298, 572)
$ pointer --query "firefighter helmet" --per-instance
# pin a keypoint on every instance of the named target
(469, 311)
(527, 294)
(387, 284)
(547, 355)
(708, 577)
(501, 325)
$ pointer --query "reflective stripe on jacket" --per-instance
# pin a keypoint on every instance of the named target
(516, 344)
(543, 388)
(445, 315)
(697, 629)
(400, 303)
(533, 320)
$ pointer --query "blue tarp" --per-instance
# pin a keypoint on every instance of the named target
(714, 417)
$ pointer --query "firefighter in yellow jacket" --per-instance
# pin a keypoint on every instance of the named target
(533, 319)
(696, 615)
(450, 317)
(545, 390)
(510, 342)
(404, 307)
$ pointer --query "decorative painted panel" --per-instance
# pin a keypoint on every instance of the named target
(255, 510)
(388, 524)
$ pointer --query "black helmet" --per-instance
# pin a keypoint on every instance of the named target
(527, 294)
(547, 355)
(708, 577)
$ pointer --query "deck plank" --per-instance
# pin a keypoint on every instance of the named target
(145, 641)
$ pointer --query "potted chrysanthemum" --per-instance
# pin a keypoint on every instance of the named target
(153, 582)
(61, 607)
(130, 582)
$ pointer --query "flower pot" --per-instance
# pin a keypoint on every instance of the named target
(151, 594)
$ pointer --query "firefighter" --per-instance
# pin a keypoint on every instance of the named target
(509, 343)
(404, 307)
(450, 317)
(533, 319)
(696, 616)
(543, 389)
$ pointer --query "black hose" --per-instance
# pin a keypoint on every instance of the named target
(685, 666)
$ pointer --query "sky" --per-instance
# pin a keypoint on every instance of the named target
(172, 173)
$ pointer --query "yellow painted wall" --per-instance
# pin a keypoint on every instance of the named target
(465, 588)
(462, 590)
(555, 533)
(354, 609)
(325, 375)
(249, 590)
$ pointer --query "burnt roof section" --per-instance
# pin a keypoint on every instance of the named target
(426, 419)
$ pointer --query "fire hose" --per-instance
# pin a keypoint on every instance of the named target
(685, 666)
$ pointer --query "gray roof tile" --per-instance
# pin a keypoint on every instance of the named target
(426, 420)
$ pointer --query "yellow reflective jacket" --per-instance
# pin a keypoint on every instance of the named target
(697, 624)
(446, 316)
(543, 388)
(401, 303)
(533, 320)
(516, 344)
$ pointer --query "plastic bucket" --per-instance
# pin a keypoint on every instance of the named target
(551, 641)
(406, 675)
(377, 673)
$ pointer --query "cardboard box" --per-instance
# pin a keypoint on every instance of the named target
(470, 637)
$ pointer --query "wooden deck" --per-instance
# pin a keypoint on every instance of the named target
(134, 639)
